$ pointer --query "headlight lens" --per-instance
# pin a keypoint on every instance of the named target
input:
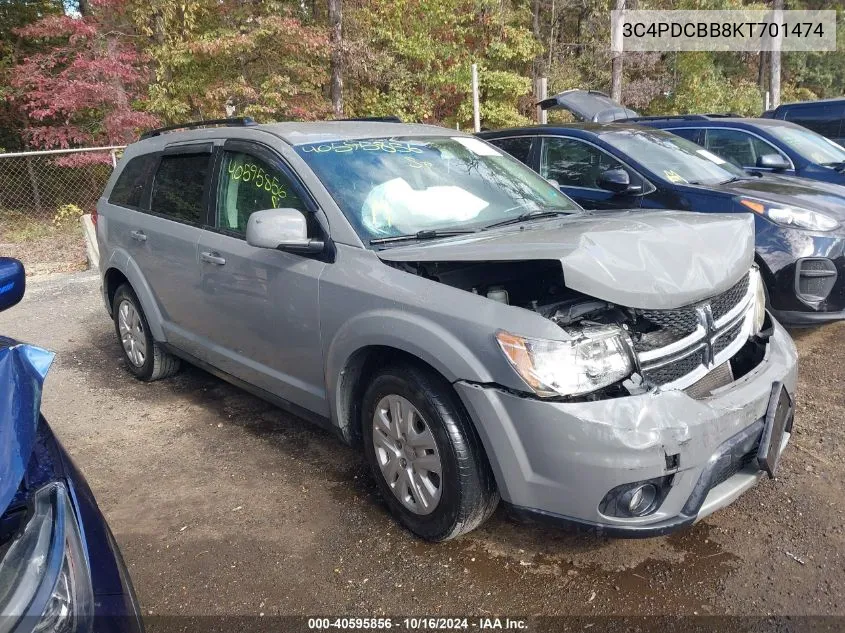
(44, 574)
(595, 358)
(791, 216)
(759, 300)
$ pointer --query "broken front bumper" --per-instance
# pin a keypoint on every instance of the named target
(557, 461)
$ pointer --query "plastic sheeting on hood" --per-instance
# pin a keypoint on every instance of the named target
(22, 372)
(639, 259)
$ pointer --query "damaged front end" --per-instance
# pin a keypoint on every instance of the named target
(609, 350)
(638, 310)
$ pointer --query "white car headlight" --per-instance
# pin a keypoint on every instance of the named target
(45, 572)
(756, 281)
(595, 358)
(791, 216)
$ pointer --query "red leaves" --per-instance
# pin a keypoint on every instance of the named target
(83, 87)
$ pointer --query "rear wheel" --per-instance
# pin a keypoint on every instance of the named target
(144, 357)
(425, 455)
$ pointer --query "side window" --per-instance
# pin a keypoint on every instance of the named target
(573, 163)
(178, 187)
(824, 119)
(518, 147)
(249, 184)
(129, 188)
(740, 148)
(690, 133)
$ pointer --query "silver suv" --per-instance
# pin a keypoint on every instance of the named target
(441, 306)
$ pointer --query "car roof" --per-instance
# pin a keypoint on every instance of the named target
(810, 103)
(722, 122)
(551, 128)
(303, 133)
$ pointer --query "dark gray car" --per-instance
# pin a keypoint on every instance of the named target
(473, 330)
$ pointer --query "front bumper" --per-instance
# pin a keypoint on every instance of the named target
(557, 461)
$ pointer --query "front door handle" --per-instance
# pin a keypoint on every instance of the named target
(212, 258)
(138, 236)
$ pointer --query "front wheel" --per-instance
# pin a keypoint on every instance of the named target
(425, 454)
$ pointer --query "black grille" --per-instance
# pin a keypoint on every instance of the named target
(673, 371)
(733, 466)
(684, 320)
(729, 299)
(656, 339)
(727, 338)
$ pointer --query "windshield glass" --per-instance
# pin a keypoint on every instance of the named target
(814, 147)
(400, 186)
(674, 158)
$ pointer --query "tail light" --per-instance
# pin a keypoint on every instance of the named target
(94, 216)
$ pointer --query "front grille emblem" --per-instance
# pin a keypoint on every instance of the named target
(705, 319)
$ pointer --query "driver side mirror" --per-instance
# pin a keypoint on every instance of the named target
(775, 162)
(283, 230)
(12, 282)
(617, 181)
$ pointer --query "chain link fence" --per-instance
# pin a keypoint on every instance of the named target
(42, 196)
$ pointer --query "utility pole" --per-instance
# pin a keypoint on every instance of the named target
(616, 66)
(774, 67)
(336, 37)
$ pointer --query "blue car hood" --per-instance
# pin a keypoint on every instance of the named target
(22, 372)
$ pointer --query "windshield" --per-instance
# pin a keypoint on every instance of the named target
(814, 147)
(401, 186)
(674, 158)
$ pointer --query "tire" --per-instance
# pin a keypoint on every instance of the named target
(149, 361)
(465, 489)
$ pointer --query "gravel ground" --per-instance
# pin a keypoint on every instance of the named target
(223, 504)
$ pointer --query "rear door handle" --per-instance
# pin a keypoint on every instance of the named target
(138, 236)
(212, 258)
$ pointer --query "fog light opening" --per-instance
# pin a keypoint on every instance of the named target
(636, 499)
(641, 499)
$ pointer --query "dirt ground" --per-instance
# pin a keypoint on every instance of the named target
(223, 504)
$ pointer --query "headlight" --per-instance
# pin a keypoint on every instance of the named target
(596, 358)
(791, 216)
(45, 584)
(759, 299)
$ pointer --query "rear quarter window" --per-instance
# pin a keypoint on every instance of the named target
(179, 186)
(823, 118)
(128, 191)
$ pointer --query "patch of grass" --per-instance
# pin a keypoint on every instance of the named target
(40, 244)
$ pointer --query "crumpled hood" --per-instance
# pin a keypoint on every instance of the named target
(22, 372)
(639, 259)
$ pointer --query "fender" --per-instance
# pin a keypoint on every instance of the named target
(410, 333)
(120, 259)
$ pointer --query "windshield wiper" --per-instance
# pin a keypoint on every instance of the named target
(428, 234)
(523, 217)
(840, 166)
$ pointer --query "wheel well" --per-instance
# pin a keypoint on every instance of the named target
(356, 376)
(112, 280)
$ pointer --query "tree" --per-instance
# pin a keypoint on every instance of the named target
(412, 58)
(263, 56)
(83, 86)
(336, 27)
(13, 16)
(616, 66)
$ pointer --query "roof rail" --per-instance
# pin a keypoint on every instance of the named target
(376, 119)
(673, 117)
(193, 125)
